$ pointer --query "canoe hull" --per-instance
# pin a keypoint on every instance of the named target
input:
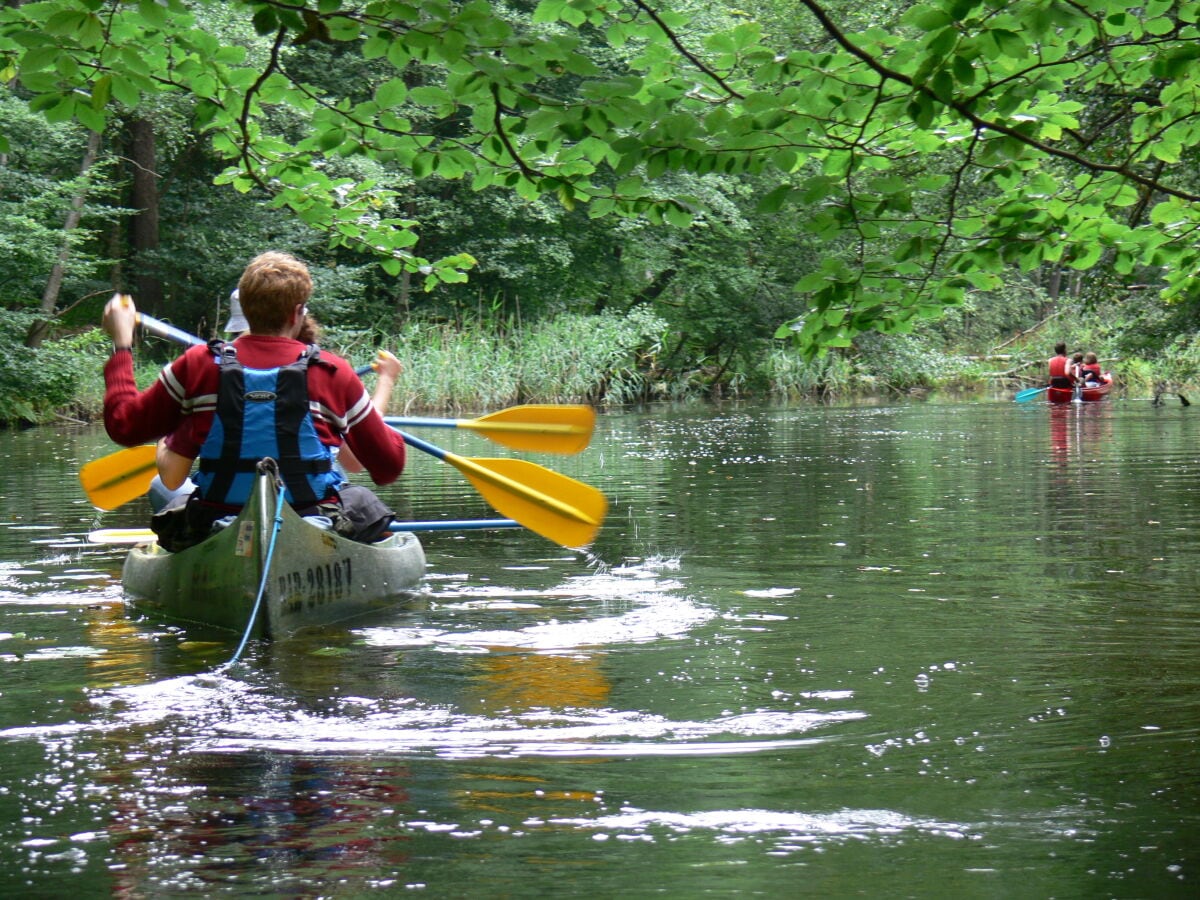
(316, 577)
(1087, 395)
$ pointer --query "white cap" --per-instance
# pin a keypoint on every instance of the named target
(237, 322)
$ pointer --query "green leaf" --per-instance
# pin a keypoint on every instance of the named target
(39, 58)
(1088, 257)
(964, 71)
(921, 110)
(101, 91)
(265, 21)
(548, 11)
(391, 93)
(929, 18)
(572, 16)
(678, 215)
(1009, 43)
(330, 138)
(1167, 151)
(125, 91)
(63, 110)
(64, 22)
(775, 199)
(431, 95)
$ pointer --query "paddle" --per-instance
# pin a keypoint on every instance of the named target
(125, 475)
(1029, 393)
(533, 427)
(170, 332)
(558, 508)
(114, 480)
(145, 535)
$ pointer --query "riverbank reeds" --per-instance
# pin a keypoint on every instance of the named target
(568, 359)
(609, 359)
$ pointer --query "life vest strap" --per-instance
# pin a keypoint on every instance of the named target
(286, 467)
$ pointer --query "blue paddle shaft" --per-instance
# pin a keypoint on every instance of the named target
(162, 329)
(418, 422)
(455, 525)
(1030, 393)
(422, 445)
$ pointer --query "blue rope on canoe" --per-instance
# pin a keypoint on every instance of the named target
(262, 585)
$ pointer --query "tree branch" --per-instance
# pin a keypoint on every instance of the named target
(683, 51)
(963, 109)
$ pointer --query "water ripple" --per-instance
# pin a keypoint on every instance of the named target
(805, 828)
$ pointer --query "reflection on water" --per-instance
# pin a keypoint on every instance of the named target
(871, 644)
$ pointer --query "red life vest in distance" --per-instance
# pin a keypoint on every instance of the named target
(1058, 368)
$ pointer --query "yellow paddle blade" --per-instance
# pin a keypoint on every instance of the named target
(558, 508)
(541, 428)
(122, 536)
(114, 480)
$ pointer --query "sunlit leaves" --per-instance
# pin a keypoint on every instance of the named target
(926, 154)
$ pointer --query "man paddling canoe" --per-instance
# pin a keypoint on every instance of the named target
(264, 394)
(1060, 368)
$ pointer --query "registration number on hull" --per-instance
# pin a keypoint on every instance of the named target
(315, 586)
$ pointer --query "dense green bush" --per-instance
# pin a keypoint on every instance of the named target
(58, 377)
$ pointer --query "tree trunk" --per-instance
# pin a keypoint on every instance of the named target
(1053, 291)
(400, 319)
(144, 199)
(37, 331)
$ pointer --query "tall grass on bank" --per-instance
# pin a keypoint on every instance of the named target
(614, 359)
(589, 358)
(791, 376)
(879, 364)
(453, 370)
(570, 359)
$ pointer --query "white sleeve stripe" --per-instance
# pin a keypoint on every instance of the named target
(359, 411)
(324, 413)
(202, 403)
(171, 383)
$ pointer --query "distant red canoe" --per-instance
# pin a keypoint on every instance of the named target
(1088, 394)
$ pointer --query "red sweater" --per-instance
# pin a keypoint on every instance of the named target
(181, 403)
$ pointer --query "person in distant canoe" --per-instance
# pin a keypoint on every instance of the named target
(1076, 367)
(1090, 372)
(208, 397)
(1060, 372)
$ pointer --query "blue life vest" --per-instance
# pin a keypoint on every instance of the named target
(264, 412)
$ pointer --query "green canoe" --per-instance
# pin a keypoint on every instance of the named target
(316, 577)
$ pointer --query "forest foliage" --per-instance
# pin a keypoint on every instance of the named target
(900, 184)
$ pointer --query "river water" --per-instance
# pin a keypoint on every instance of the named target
(930, 650)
